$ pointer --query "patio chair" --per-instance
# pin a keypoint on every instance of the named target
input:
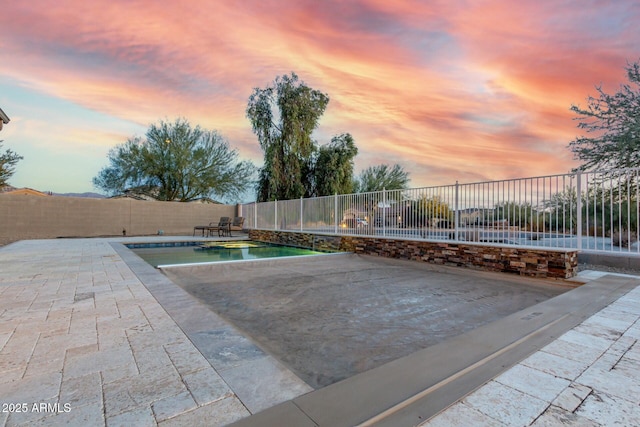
(207, 227)
(222, 228)
(236, 225)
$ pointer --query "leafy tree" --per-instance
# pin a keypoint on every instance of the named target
(517, 214)
(606, 210)
(560, 210)
(333, 166)
(435, 207)
(614, 120)
(283, 116)
(176, 162)
(427, 211)
(8, 162)
(377, 178)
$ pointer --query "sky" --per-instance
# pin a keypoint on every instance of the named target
(456, 90)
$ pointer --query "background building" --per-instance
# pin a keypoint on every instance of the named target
(4, 119)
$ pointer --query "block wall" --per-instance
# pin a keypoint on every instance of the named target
(36, 217)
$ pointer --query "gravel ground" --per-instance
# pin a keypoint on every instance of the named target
(582, 267)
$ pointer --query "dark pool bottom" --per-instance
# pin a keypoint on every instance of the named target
(328, 318)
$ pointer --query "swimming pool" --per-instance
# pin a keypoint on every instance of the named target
(171, 254)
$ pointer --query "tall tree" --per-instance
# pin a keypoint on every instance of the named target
(283, 116)
(8, 162)
(176, 162)
(614, 120)
(333, 166)
(376, 178)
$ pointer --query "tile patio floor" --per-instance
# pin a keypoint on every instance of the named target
(84, 342)
(589, 376)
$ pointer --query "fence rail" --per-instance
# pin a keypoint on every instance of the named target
(588, 211)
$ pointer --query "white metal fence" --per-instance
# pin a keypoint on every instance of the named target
(588, 211)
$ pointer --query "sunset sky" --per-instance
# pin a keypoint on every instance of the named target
(451, 90)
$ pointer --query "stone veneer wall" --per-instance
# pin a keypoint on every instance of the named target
(535, 262)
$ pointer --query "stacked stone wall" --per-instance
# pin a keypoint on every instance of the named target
(534, 262)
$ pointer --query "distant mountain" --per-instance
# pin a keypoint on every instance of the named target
(88, 194)
(10, 188)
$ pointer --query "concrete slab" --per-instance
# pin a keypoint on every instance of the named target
(417, 387)
(329, 318)
(628, 260)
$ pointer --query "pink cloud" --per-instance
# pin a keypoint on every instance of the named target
(450, 89)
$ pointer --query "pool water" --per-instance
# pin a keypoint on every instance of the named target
(208, 252)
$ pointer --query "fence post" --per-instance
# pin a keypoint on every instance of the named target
(384, 212)
(579, 209)
(301, 214)
(456, 214)
(275, 215)
(335, 213)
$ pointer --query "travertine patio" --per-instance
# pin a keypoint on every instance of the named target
(85, 340)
